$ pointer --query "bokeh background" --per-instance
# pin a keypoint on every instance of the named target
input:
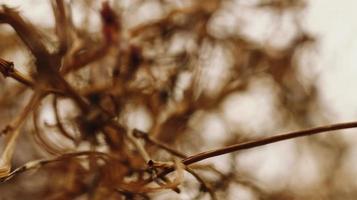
(290, 65)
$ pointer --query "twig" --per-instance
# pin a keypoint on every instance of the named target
(85, 58)
(140, 134)
(267, 140)
(110, 31)
(12, 132)
(260, 142)
(26, 31)
(134, 139)
(47, 64)
(8, 70)
(205, 186)
(39, 138)
(40, 163)
(61, 19)
(139, 147)
(179, 167)
(59, 123)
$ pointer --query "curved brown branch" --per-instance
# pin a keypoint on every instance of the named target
(59, 123)
(40, 139)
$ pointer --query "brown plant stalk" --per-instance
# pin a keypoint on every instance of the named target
(260, 142)
(268, 140)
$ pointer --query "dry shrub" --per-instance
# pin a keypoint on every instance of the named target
(108, 111)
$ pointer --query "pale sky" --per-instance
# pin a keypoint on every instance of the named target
(335, 24)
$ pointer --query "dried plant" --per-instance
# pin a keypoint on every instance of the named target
(115, 112)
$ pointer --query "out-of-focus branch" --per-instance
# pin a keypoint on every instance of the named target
(8, 70)
(205, 186)
(12, 132)
(140, 148)
(139, 134)
(110, 30)
(46, 63)
(40, 163)
(59, 123)
(25, 30)
(62, 25)
(85, 58)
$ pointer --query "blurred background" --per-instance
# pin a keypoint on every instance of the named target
(211, 74)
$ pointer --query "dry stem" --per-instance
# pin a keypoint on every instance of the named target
(268, 140)
(260, 142)
(12, 132)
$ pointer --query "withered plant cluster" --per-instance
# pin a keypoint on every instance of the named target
(113, 110)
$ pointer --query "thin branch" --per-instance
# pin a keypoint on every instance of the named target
(85, 58)
(47, 65)
(267, 140)
(61, 19)
(40, 138)
(139, 147)
(8, 70)
(12, 132)
(25, 30)
(140, 134)
(205, 186)
(173, 185)
(40, 163)
(110, 31)
(59, 123)
(260, 142)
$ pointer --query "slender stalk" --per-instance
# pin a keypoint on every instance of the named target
(140, 134)
(40, 163)
(139, 147)
(267, 140)
(260, 142)
(206, 186)
(8, 70)
(12, 132)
